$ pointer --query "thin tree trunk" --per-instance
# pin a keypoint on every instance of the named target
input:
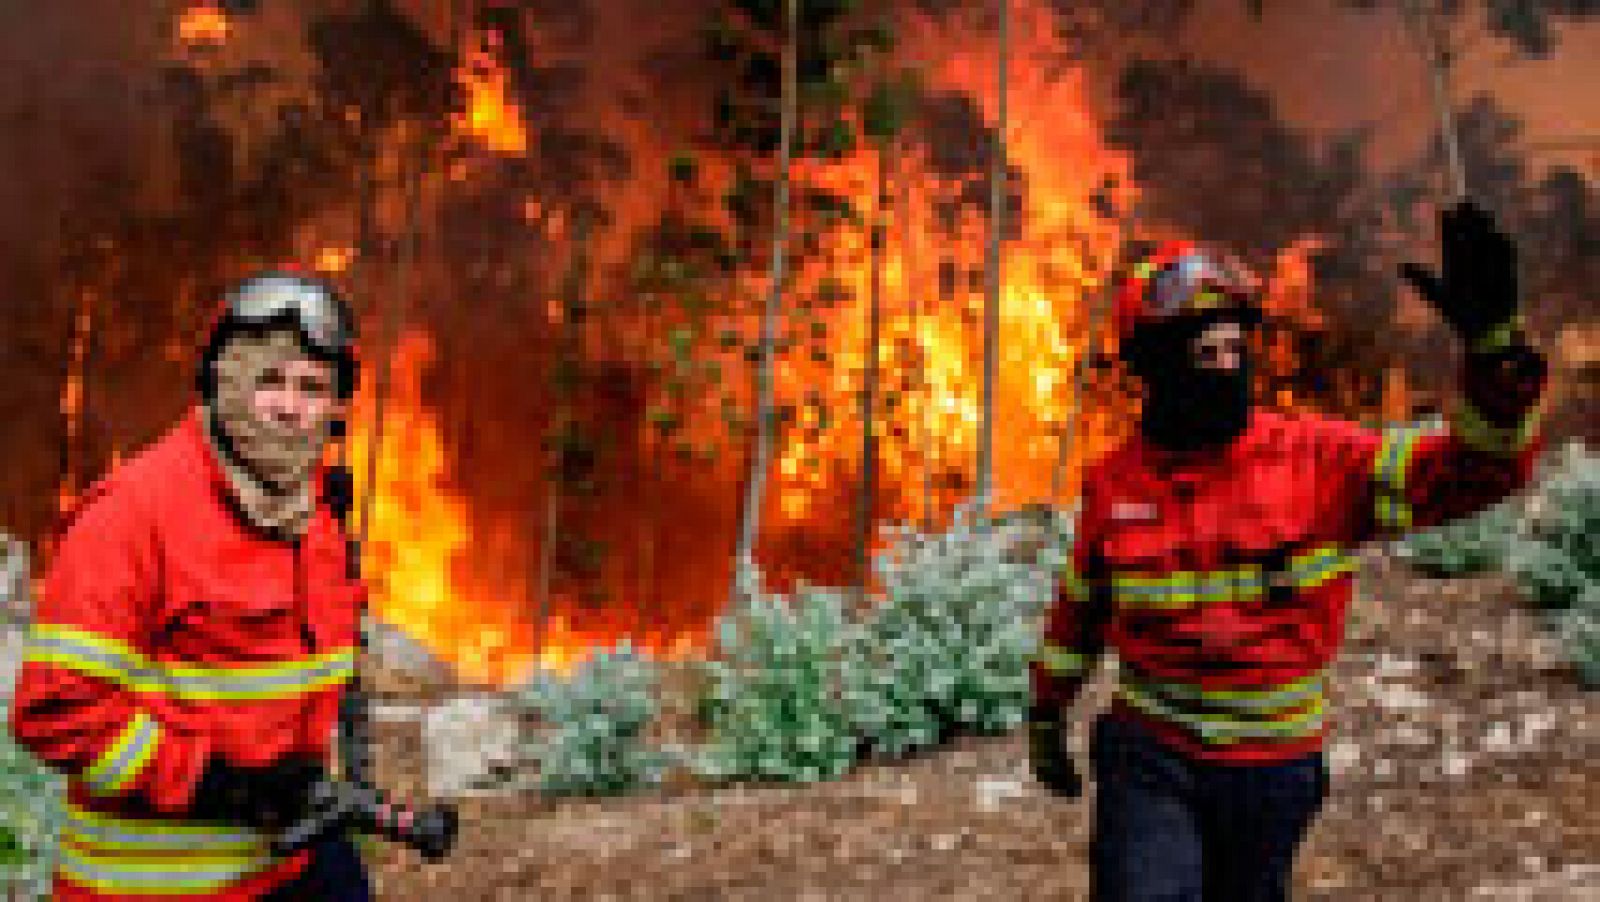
(751, 526)
(924, 426)
(1097, 311)
(393, 322)
(991, 307)
(572, 297)
(1429, 33)
(869, 437)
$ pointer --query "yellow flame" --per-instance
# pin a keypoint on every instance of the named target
(491, 117)
(203, 24)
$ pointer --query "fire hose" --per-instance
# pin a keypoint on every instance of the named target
(352, 802)
(340, 804)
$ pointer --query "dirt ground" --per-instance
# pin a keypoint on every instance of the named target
(1464, 759)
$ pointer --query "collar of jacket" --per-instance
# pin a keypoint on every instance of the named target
(1165, 460)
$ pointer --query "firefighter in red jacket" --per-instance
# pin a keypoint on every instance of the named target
(197, 623)
(1214, 555)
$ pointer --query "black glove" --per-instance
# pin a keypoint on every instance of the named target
(267, 798)
(1477, 289)
(1047, 752)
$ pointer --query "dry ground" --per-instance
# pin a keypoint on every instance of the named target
(1464, 758)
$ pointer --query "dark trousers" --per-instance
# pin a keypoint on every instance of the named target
(335, 874)
(1170, 829)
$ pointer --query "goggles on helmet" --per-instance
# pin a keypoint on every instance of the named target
(1183, 279)
(319, 314)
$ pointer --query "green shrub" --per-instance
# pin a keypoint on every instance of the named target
(781, 688)
(946, 649)
(1476, 544)
(30, 804)
(592, 740)
(1555, 557)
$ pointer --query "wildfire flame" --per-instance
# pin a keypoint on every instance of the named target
(425, 548)
(203, 24)
(490, 116)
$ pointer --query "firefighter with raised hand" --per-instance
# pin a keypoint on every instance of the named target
(197, 623)
(1214, 554)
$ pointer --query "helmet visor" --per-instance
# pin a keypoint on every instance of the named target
(319, 314)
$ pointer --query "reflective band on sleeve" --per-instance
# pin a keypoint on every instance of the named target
(1390, 471)
(149, 856)
(126, 757)
(109, 659)
(1470, 427)
(1060, 662)
(1073, 587)
(1500, 337)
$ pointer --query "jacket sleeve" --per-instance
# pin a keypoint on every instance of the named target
(1074, 628)
(1410, 477)
(74, 706)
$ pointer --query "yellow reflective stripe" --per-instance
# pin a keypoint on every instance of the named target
(1267, 701)
(1390, 471)
(1500, 337)
(1188, 588)
(126, 757)
(1062, 662)
(1315, 567)
(1073, 585)
(1214, 729)
(1467, 424)
(125, 855)
(109, 659)
(1306, 570)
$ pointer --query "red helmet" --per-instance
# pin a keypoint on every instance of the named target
(1181, 278)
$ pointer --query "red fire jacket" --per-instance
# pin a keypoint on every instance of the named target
(1221, 577)
(169, 630)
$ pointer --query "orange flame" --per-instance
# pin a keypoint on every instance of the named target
(490, 117)
(333, 260)
(203, 24)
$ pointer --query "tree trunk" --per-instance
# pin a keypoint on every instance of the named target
(572, 292)
(751, 526)
(869, 396)
(1097, 311)
(991, 307)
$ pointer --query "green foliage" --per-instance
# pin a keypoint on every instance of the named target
(1556, 560)
(30, 802)
(946, 650)
(593, 741)
(781, 689)
(1555, 557)
(1476, 544)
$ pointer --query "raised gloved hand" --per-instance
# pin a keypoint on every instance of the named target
(1476, 290)
(267, 798)
(1047, 752)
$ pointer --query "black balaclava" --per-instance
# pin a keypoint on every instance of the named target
(1187, 407)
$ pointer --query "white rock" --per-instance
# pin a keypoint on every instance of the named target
(11, 640)
(1498, 740)
(1343, 757)
(1456, 764)
(993, 791)
(466, 738)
